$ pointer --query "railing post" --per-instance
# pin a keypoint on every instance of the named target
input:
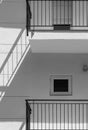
(28, 112)
(28, 16)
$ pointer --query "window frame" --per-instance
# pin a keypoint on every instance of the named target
(68, 77)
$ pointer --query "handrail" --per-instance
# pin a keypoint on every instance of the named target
(27, 100)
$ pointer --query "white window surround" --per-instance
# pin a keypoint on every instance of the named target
(62, 77)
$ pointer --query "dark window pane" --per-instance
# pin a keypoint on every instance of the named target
(60, 85)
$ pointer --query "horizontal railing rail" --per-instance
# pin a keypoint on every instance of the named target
(57, 15)
(56, 114)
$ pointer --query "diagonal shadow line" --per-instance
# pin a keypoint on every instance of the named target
(17, 66)
(10, 52)
(22, 126)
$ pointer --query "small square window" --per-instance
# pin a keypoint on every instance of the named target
(60, 85)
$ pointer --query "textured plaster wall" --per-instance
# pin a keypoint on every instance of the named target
(32, 81)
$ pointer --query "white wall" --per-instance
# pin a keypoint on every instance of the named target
(61, 45)
(32, 81)
(13, 13)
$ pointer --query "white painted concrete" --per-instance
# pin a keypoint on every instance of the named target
(59, 46)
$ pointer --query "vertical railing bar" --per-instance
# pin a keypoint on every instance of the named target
(79, 116)
(45, 12)
(29, 112)
(71, 117)
(56, 11)
(83, 12)
(56, 116)
(27, 17)
(64, 11)
(52, 116)
(49, 12)
(86, 14)
(60, 116)
(41, 12)
(75, 116)
(45, 116)
(33, 14)
(37, 13)
(49, 114)
(79, 13)
(60, 11)
(37, 114)
(64, 116)
(83, 115)
(71, 13)
(68, 11)
(86, 116)
(68, 115)
(75, 12)
(33, 115)
(52, 12)
(71, 22)
(26, 117)
(41, 116)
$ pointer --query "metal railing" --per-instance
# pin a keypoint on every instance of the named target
(49, 114)
(46, 15)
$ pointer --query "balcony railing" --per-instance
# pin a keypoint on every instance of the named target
(57, 15)
(48, 114)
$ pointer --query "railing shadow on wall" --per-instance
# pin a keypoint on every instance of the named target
(12, 62)
(56, 114)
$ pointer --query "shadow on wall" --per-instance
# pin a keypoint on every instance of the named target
(13, 48)
(10, 124)
(12, 26)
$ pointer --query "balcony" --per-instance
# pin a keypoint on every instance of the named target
(54, 114)
(57, 15)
